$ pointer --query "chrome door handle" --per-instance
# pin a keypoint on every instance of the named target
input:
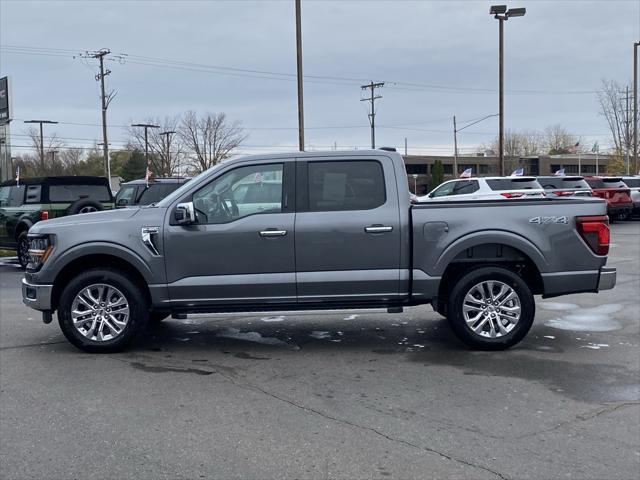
(272, 233)
(378, 229)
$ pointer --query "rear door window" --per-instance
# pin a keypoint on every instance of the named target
(346, 185)
(513, 184)
(632, 182)
(34, 194)
(71, 193)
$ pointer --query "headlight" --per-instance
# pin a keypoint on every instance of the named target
(40, 249)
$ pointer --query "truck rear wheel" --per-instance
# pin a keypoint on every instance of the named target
(102, 311)
(491, 308)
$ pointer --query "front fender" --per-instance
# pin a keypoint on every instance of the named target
(502, 237)
(64, 258)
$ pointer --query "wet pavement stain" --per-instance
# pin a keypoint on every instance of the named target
(583, 382)
(246, 356)
(164, 369)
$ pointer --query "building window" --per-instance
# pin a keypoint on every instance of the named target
(589, 169)
(555, 168)
(448, 169)
(570, 168)
(417, 169)
(484, 169)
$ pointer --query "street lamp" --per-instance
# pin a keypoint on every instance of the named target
(41, 139)
(501, 13)
(146, 127)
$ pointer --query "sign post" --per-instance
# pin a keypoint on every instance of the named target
(6, 115)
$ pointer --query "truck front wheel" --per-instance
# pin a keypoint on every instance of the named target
(491, 308)
(102, 311)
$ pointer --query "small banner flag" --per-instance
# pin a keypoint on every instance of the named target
(595, 148)
(518, 172)
(147, 176)
(466, 173)
(18, 176)
(559, 173)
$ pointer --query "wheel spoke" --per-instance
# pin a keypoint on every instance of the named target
(491, 308)
(100, 312)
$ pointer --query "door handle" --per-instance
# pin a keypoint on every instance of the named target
(378, 229)
(272, 233)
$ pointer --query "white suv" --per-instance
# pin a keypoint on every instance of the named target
(485, 188)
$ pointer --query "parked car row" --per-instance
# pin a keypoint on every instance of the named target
(622, 194)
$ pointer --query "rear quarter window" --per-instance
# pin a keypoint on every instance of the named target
(613, 183)
(71, 193)
(513, 184)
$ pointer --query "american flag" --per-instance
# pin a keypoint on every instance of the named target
(518, 172)
(466, 173)
(559, 173)
(18, 176)
(147, 175)
(574, 149)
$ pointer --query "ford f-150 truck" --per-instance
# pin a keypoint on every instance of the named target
(331, 230)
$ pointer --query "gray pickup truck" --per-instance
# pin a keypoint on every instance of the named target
(314, 231)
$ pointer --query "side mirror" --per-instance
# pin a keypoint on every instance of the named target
(123, 202)
(184, 213)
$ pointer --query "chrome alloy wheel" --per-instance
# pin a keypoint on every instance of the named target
(491, 309)
(100, 312)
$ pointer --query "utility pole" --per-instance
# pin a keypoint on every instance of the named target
(146, 127)
(635, 106)
(455, 148)
(167, 135)
(41, 139)
(372, 116)
(300, 78)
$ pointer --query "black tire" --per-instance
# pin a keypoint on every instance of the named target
(135, 297)
(84, 205)
(23, 249)
(466, 283)
(157, 317)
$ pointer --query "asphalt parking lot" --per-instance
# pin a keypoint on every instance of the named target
(357, 394)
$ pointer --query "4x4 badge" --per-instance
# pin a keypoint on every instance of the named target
(545, 220)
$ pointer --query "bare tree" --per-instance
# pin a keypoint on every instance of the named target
(166, 152)
(210, 139)
(72, 160)
(51, 143)
(519, 144)
(613, 106)
(557, 140)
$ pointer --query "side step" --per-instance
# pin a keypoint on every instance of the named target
(395, 310)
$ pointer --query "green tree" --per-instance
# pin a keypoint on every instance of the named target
(437, 174)
(133, 167)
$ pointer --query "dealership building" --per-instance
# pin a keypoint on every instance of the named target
(419, 167)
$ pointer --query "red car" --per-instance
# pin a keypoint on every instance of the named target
(615, 192)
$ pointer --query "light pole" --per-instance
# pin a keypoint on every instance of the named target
(168, 134)
(300, 76)
(635, 105)
(41, 139)
(501, 13)
(146, 127)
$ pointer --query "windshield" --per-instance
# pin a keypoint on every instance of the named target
(185, 187)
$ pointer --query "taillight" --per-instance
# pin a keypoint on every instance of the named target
(563, 193)
(512, 194)
(595, 232)
(44, 215)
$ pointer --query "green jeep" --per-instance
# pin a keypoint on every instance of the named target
(42, 198)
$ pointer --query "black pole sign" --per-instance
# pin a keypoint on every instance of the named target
(5, 105)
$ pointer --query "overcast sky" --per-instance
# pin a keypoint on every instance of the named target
(439, 58)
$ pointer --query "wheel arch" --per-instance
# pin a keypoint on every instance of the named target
(90, 260)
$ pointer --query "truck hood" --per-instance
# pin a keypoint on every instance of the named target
(104, 217)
